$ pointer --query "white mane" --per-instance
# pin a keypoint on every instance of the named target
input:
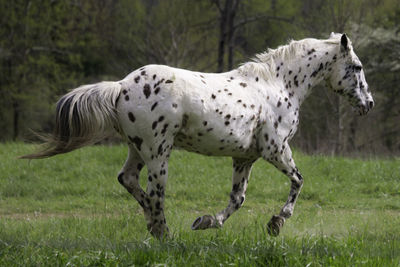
(265, 64)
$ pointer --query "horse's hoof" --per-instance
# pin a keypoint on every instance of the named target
(275, 224)
(203, 222)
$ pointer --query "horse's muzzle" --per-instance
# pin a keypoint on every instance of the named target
(364, 109)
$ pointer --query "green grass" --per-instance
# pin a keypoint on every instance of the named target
(71, 210)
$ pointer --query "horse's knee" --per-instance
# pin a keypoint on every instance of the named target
(237, 200)
(239, 203)
(299, 176)
(297, 184)
(286, 212)
(298, 180)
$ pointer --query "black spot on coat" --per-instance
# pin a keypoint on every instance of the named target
(131, 117)
(146, 90)
(163, 131)
(154, 106)
(137, 141)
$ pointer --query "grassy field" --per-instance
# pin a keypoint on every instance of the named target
(71, 210)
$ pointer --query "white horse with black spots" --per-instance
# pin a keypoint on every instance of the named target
(246, 113)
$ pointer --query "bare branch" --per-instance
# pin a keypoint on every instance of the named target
(218, 4)
(47, 49)
(261, 17)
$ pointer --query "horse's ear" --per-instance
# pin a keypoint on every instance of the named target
(344, 43)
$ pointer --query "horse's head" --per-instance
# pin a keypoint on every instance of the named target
(347, 77)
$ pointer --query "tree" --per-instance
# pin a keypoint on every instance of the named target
(227, 13)
(47, 47)
(383, 69)
(42, 46)
(235, 15)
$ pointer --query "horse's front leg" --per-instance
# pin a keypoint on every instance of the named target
(284, 162)
(240, 177)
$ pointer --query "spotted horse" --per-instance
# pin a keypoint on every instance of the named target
(247, 113)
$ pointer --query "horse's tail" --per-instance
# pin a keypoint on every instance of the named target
(84, 116)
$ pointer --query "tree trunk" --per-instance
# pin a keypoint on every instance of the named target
(340, 17)
(226, 32)
(351, 141)
(15, 120)
(231, 32)
(223, 20)
(340, 147)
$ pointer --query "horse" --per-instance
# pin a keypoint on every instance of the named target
(247, 113)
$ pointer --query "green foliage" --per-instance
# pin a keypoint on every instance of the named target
(71, 210)
(48, 47)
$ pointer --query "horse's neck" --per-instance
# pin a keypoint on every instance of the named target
(301, 74)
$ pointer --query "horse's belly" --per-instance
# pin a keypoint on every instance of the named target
(213, 147)
(217, 139)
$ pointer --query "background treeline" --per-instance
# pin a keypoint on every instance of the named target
(50, 46)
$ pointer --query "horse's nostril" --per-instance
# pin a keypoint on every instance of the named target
(371, 104)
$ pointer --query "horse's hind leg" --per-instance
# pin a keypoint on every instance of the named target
(240, 177)
(286, 164)
(129, 176)
(152, 201)
(157, 179)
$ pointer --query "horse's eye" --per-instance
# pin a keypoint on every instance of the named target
(357, 68)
